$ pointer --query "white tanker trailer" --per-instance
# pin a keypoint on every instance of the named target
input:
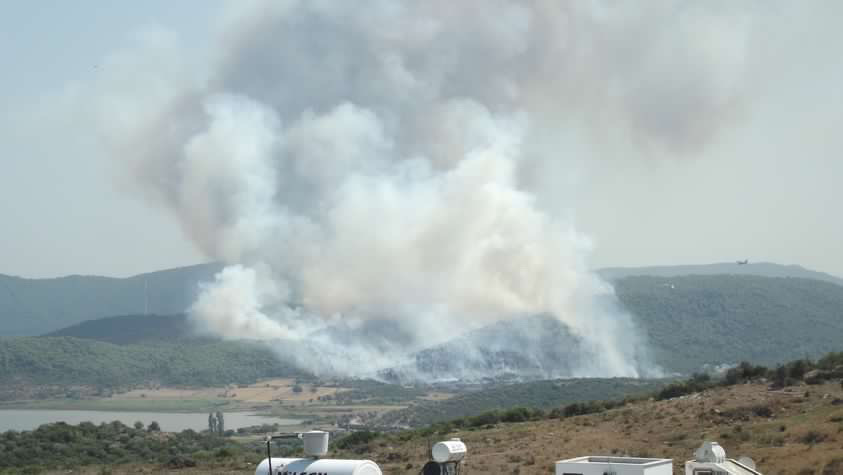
(447, 459)
(311, 466)
(315, 446)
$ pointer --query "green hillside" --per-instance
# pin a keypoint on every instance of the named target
(74, 361)
(131, 329)
(536, 395)
(687, 321)
(695, 320)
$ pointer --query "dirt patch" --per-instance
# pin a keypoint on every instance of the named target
(437, 396)
(261, 393)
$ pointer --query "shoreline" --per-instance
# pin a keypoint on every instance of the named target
(183, 406)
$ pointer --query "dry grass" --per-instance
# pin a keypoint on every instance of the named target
(260, 393)
(810, 439)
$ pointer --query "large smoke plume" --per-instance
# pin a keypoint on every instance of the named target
(380, 177)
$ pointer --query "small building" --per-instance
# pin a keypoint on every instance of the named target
(709, 459)
(602, 465)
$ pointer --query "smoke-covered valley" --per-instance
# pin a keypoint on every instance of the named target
(382, 180)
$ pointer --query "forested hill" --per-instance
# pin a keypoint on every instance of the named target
(38, 306)
(695, 320)
(131, 329)
(761, 269)
(74, 361)
(688, 322)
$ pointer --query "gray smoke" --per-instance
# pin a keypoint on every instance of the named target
(381, 177)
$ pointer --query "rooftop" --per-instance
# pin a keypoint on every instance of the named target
(648, 462)
(729, 466)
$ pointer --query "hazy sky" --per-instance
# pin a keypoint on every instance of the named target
(763, 187)
(63, 211)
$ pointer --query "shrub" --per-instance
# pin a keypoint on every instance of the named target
(180, 461)
(516, 414)
(682, 388)
(485, 419)
(831, 361)
(798, 368)
(833, 467)
(812, 437)
(355, 439)
(224, 452)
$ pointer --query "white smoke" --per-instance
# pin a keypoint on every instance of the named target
(380, 177)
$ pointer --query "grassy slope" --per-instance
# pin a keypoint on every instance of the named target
(672, 429)
(537, 394)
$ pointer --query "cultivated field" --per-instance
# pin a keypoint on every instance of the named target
(260, 393)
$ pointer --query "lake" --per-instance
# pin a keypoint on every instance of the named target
(28, 419)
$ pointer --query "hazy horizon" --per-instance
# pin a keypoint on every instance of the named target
(700, 264)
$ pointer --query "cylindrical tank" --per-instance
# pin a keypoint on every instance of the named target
(315, 443)
(449, 451)
(284, 466)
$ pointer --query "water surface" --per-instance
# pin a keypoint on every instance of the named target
(28, 419)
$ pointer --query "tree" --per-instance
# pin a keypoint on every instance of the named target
(733, 376)
(780, 377)
(153, 427)
(797, 369)
(139, 425)
(212, 423)
(220, 424)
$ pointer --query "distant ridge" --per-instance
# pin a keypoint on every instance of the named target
(762, 269)
(38, 306)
